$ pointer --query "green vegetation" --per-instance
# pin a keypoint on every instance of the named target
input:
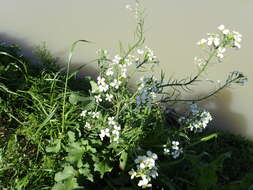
(61, 132)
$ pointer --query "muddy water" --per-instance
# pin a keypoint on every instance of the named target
(172, 29)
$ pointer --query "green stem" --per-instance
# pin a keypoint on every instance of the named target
(193, 79)
(66, 81)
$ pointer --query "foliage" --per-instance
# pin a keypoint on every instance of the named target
(104, 134)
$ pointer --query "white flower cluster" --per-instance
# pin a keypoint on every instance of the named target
(114, 74)
(147, 90)
(146, 169)
(197, 119)
(234, 36)
(120, 65)
(112, 132)
(147, 55)
(219, 41)
(102, 53)
(104, 87)
(175, 150)
(93, 114)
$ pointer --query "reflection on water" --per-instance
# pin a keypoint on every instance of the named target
(172, 30)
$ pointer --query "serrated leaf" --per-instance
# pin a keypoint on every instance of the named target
(69, 184)
(55, 147)
(102, 167)
(85, 171)
(68, 172)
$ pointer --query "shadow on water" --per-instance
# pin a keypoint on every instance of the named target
(224, 117)
(220, 107)
(26, 49)
(28, 52)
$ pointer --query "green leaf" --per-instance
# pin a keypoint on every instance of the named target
(85, 171)
(68, 172)
(71, 136)
(102, 167)
(55, 147)
(123, 160)
(214, 135)
(94, 85)
(75, 154)
(69, 184)
(74, 98)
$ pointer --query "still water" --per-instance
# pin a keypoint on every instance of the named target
(172, 29)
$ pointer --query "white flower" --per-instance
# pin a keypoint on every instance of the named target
(83, 113)
(95, 115)
(175, 145)
(144, 183)
(226, 31)
(108, 97)
(128, 7)
(111, 121)
(153, 155)
(100, 80)
(237, 39)
(237, 45)
(140, 51)
(98, 98)
(166, 151)
(128, 61)
(104, 133)
(199, 61)
(109, 72)
(176, 153)
(237, 36)
(87, 125)
(153, 173)
(132, 173)
(115, 84)
(146, 169)
(197, 120)
(116, 60)
(216, 41)
(103, 87)
(220, 52)
(221, 27)
(201, 42)
(213, 40)
(124, 72)
(150, 54)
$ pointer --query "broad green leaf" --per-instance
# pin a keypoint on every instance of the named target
(102, 167)
(75, 154)
(55, 147)
(67, 172)
(71, 136)
(68, 184)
